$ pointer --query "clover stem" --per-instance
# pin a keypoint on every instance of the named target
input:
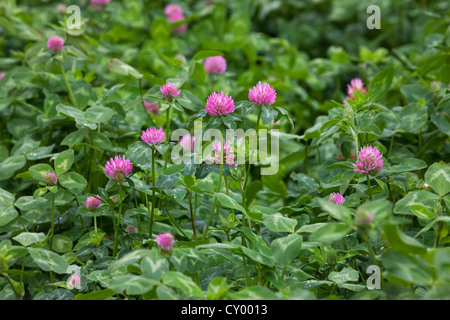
(116, 231)
(150, 227)
(368, 186)
(72, 97)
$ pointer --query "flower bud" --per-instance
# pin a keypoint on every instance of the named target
(51, 179)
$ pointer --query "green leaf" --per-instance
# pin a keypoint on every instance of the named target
(154, 266)
(61, 243)
(95, 295)
(205, 54)
(160, 29)
(167, 181)
(258, 256)
(27, 203)
(7, 213)
(380, 84)
(268, 114)
(278, 223)
(38, 171)
(413, 116)
(285, 249)
(217, 288)
(189, 100)
(337, 211)
(401, 242)
(421, 212)
(343, 276)
(98, 114)
(75, 137)
(330, 232)
(74, 182)
(29, 238)
(129, 258)
(48, 261)
(424, 198)
(70, 111)
(379, 209)
(117, 66)
(64, 161)
(413, 92)
(131, 284)
(406, 268)
(182, 282)
(10, 165)
(229, 202)
(254, 293)
(40, 192)
(410, 164)
(305, 182)
(438, 177)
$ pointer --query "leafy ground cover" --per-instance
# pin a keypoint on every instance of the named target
(348, 200)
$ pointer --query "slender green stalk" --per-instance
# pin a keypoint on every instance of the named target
(143, 105)
(214, 204)
(166, 156)
(95, 221)
(17, 294)
(368, 186)
(192, 216)
(71, 95)
(218, 189)
(390, 147)
(90, 161)
(306, 158)
(173, 222)
(168, 123)
(150, 226)
(52, 222)
(52, 231)
(283, 273)
(117, 226)
(245, 270)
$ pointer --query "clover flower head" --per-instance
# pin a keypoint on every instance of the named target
(51, 179)
(216, 64)
(74, 282)
(369, 160)
(173, 10)
(227, 156)
(219, 104)
(92, 203)
(336, 198)
(363, 218)
(262, 94)
(131, 229)
(98, 4)
(179, 29)
(152, 107)
(187, 141)
(355, 84)
(118, 168)
(153, 136)
(165, 241)
(169, 91)
(55, 44)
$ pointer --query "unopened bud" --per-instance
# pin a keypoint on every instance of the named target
(51, 179)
